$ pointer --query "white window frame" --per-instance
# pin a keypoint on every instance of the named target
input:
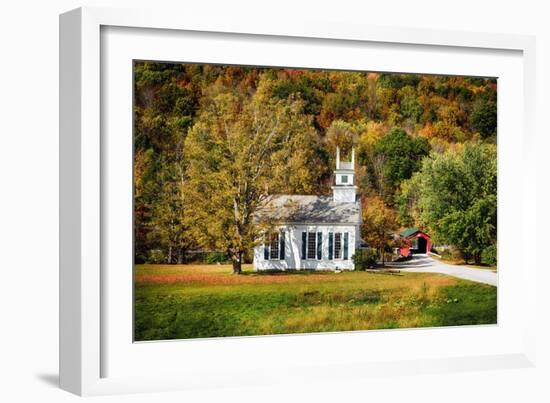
(271, 236)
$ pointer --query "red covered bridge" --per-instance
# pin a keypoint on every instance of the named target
(414, 241)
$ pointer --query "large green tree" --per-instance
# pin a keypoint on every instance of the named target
(241, 149)
(455, 195)
(396, 156)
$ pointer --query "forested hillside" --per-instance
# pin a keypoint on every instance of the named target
(210, 141)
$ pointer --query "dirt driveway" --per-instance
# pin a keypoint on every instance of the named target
(422, 263)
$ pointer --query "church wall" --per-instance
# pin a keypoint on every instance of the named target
(293, 245)
(343, 194)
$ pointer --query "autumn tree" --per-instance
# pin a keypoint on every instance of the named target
(165, 105)
(408, 213)
(343, 135)
(411, 108)
(242, 148)
(309, 86)
(346, 101)
(370, 177)
(379, 224)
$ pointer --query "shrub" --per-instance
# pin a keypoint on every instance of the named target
(364, 258)
(489, 255)
(446, 254)
(195, 257)
(216, 257)
(458, 255)
(156, 256)
(453, 255)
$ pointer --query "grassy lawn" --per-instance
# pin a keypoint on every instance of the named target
(190, 301)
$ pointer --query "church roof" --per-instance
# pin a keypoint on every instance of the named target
(309, 209)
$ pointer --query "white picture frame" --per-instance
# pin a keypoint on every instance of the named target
(85, 343)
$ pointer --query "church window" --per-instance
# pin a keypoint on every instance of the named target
(346, 245)
(282, 245)
(304, 245)
(274, 246)
(338, 245)
(311, 245)
(319, 245)
(330, 245)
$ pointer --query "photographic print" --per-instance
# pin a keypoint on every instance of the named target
(274, 200)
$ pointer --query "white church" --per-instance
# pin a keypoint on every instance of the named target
(313, 232)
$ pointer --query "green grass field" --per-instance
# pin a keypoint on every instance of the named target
(190, 301)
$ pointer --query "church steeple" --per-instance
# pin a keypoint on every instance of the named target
(344, 190)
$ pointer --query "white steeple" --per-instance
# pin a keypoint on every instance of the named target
(344, 190)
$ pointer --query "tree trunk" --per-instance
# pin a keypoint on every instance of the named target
(477, 258)
(237, 266)
(170, 255)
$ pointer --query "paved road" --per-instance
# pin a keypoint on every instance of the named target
(426, 264)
